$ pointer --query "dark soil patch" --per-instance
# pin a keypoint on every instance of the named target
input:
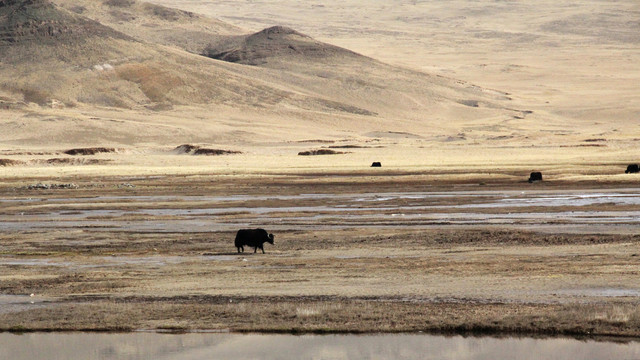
(6, 104)
(89, 151)
(320, 152)
(205, 151)
(67, 161)
(584, 145)
(316, 141)
(347, 147)
(470, 103)
(58, 161)
(197, 150)
(353, 147)
(186, 149)
(9, 162)
(41, 186)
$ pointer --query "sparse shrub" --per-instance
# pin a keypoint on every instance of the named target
(9, 162)
(35, 96)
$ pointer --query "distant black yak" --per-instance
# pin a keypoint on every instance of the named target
(633, 168)
(535, 176)
(254, 238)
(376, 164)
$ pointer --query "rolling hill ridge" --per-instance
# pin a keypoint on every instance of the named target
(55, 55)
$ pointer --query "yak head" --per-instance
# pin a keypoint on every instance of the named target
(270, 241)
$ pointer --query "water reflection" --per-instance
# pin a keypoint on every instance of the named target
(560, 210)
(198, 346)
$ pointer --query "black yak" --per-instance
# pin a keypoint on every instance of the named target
(376, 164)
(254, 238)
(633, 168)
(535, 176)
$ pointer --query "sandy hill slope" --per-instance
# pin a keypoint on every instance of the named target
(574, 65)
(53, 56)
(292, 85)
(153, 23)
(47, 51)
(373, 87)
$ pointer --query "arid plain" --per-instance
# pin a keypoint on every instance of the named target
(189, 125)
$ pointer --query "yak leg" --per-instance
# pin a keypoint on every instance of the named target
(262, 248)
(255, 249)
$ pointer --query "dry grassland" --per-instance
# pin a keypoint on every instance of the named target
(351, 279)
(140, 236)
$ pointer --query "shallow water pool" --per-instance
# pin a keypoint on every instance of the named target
(196, 346)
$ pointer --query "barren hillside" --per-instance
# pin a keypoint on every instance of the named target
(154, 23)
(373, 87)
(573, 61)
(68, 64)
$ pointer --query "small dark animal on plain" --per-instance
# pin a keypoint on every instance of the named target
(254, 238)
(535, 176)
(376, 164)
(633, 168)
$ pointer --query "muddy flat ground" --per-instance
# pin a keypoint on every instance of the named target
(352, 253)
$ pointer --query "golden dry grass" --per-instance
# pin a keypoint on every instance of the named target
(330, 316)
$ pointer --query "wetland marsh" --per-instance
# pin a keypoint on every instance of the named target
(533, 259)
